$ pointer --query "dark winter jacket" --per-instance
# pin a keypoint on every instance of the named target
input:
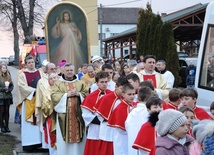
(3, 93)
(167, 146)
(190, 81)
(191, 67)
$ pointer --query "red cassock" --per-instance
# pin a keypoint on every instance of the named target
(201, 114)
(119, 115)
(49, 129)
(91, 146)
(169, 106)
(104, 108)
(146, 138)
(105, 148)
(91, 100)
(106, 104)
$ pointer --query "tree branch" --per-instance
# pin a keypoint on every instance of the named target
(22, 17)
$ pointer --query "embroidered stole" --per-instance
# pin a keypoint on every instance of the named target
(73, 129)
(150, 78)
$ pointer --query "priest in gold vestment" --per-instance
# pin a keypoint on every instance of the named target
(158, 80)
(67, 94)
(26, 88)
(89, 77)
(44, 110)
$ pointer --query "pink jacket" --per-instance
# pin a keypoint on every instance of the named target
(195, 149)
(167, 146)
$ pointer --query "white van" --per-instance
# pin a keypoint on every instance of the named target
(205, 64)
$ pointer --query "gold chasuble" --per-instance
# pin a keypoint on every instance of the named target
(70, 121)
(87, 80)
(27, 82)
(158, 80)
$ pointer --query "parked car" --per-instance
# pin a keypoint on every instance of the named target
(190, 59)
(11, 60)
(182, 55)
(127, 57)
(4, 59)
(182, 72)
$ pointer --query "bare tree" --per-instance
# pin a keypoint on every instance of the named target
(9, 17)
(21, 16)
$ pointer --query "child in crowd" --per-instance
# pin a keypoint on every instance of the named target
(174, 99)
(145, 140)
(111, 84)
(118, 118)
(188, 98)
(104, 109)
(190, 80)
(89, 115)
(204, 134)
(190, 115)
(195, 148)
(137, 117)
(149, 84)
(173, 130)
(134, 81)
(212, 109)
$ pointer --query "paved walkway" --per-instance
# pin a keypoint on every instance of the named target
(16, 131)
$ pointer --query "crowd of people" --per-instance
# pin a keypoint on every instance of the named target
(128, 108)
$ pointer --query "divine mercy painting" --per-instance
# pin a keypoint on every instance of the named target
(66, 34)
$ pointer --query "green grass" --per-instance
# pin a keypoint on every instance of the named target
(7, 144)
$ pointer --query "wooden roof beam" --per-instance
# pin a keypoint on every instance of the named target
(199, 19)
(188, 25)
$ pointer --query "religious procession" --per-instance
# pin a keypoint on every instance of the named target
(124, 108)
(78, 104)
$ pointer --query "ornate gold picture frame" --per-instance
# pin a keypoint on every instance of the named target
(67, 34)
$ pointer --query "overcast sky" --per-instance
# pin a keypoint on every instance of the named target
(161, 6)
(158, 6)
